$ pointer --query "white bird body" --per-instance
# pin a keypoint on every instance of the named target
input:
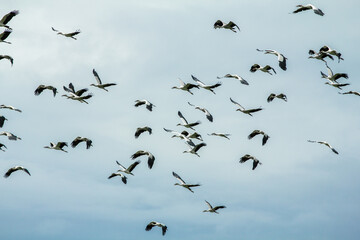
(242, 80)
(212, 209)
(205, 86)
(182, 136)
(281, 58)
(326, 144)
(309, 7)
(186, 86)
(59, 146)
(99, 83)
(70, 35)
(10, 136)
(183, 183)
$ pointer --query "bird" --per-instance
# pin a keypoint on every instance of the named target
(185, 122)
(326, 144)
(10, 136)
(123, 177)
(333, 77)
(204, 110)
(4, 35)
(6, 18)
(212, 209)
(330, 51)
(351, 92)
(272, 96)
(183, 135)
(70, 35)
(58, 146)
(246, 111)
(99, 83)
(183, 183)
(194, 135)
(14, 169)
(8, 58)
(2, 120)
(76, 95)
(151, 158)
(78, 98)
(248, 157)
(148, 104)
(2, 106)
(78, 140)
(71, 90)
(319, 55)
(157, 224)
(337, 85)
(230, 25)
(186, 86)
(194, 150)
(281, 58)
(243, 81)
(129, 169)
(41, 88)
(140, 130)
(204, 86)
(266, 69)
(257, 132)
(224, 135)
(2, 146)
(308, 7)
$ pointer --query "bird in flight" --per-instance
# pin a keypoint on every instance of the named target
(351, 92)
(10, 136)
(326, 144)
(14, 169)
(319, 55)
(213, 209)
(194, 150)
(123, 177)
(248, 157)
(148, 104)
(186, 86)
(76, 95)
(99, 83)
(185, 122)
(306, 7)
(230, 25)
(205, 86)
(246, 111)
(70, 35)
(183, 135)
(183, 183)
(157, 224)
(41, 88)
(129, 169)
(140, 130)
(2, 106)
(272, 96)
(333, 77)
(151, 158)
(281, 58)
(6, 18)
(328, 50)
(257, 132)
(78, 140)
(2, 120)
(8, 58)
(2, 146)
(204, 110)
(224, 135)
(243, 81)
(266, 69)
(59, 146)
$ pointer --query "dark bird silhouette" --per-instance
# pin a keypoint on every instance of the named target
(140, 130)
(257, 132)
(8, 58)
(157, 224)
(248, 157)
(41, 88)
(78, 140)
(266, 69)
(151, 158)
(230, 25)
(99, 83)
(14, 169)
(272, 96)
(6, 18)
(281, 58)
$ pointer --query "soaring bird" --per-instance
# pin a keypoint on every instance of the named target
(4, 35)
(272, 96)
(224, 135)
(70, 35)
(78, 140)
(337, 85)
(140, 130)
(58, 146)
(157, 224)
(71, 90)
(148, 104)
(326, 144)
(129, 169)
(243, 81)
(186, 86)
(319, 55)
(8, 58)
(248, 157)
(41, 88)
(230, 25)
(5, 19)
(194, 150)
(99, 83)
(2, 106)
(330, 51)
(266, 69)
(306, 7)
(204, 110)
(331, 76)
(123, 177)
(2, 120)
(213, 209)
(281, 58)
(151, 157)
(257, 132)
(14, 169)
(246, 111)
(205, 86)
(10, 136)
(183, 183)
(185, 122)
(351, 92)
(1, 146)
(76, 95)
(183, 135)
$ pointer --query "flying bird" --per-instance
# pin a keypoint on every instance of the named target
(205, 86)
(5, 19)
(326, 144)
(2, 120)
(243, 81)
(70, 35)
(281, 58)
(76, 95)
(183, 135)
(266, 69)
(151, 157)
(59, 146)
(148, 104)
(272, 96)
(204, 110)
(333, 77)
(129, 169)
(140, 130)
(257, 132)
(212, 209)
(224, 135)
(2, 146)
(99, 83)
(157, 224)
(230, 25)
(123, 177)
(351, 92)
(78, 140)
(4, 35)
(306, 7)
(330, 51)
(2, 106)
(246, 111)
(8, 58)
(41, 88)
(194, 150)
(337, 85)
(185, 122)
(14, 169)
(319, 55)
(186, 86)
(248, 157)
(183, 183)
(10, 136)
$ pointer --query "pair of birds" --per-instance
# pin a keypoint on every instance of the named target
(122, 169)
(60, 145)
(325, 52)
(267, 69)
(4, 35)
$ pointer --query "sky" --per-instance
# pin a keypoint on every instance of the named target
(301, 190)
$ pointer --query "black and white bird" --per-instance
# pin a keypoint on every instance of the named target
(185, 122)
(333, 77)
(183, 135)
(157, 224)
(2, 106)
(319, 55)
(243, 81)
(306, 7)
(148, 104)
(330, 51)
(272, 96)
(204, 110)
(266, 69)
(76, 95)
(4, 35)
(58, 146)
(119, 174)
(224, 135)
(151, 158)
(186, 86)
(249, 157)
(8, 58)
(351, 92)
(6, 18)
(326, 144)
(41, 88)
(213, 209)
(2, 120)
(337, 85)
(99, 83)
(193, 150)
(10, 136)
(70, 35)
(257, 132)
(205, 86)
(2, 146)
(129, 169)
(230, 25)
(246, 111)
(140, 130)
(14, 169)
(78, 140)
(183, 183)
(281, 58)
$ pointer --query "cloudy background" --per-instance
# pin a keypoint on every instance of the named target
(302, 190)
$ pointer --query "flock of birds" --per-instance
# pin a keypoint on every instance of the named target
(187, 136)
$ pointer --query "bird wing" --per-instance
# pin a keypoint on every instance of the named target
(241, 107)
(132, 166)
(54, 29)
(218, 207)
(255, 163)
(218, 24)
(253, 134)
(178, 177)
(139, 103)
(271, 97)
(232, 25)
(197, 80)
(253, 110)
(5, 34)
(182, 118)
(191, 104)
(149, 106)
(301, 8)
(61, 144)
(150, 226)
(138, 154)
(265, 138)
(5, 19)
(198, 146)
(88, 143)
(76, 141)
(81, 91)
(96, 75)
(282, 62)
(39, 90)
(215, 85)
(330, 72)
(340, 75)
(27, 171)
(121, 166)
(9, 172)
(139, 131)
(151, 160)
(163, 228)
(209, 205)
(208, 115)
(73, 33)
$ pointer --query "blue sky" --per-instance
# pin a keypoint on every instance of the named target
(301, 191)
